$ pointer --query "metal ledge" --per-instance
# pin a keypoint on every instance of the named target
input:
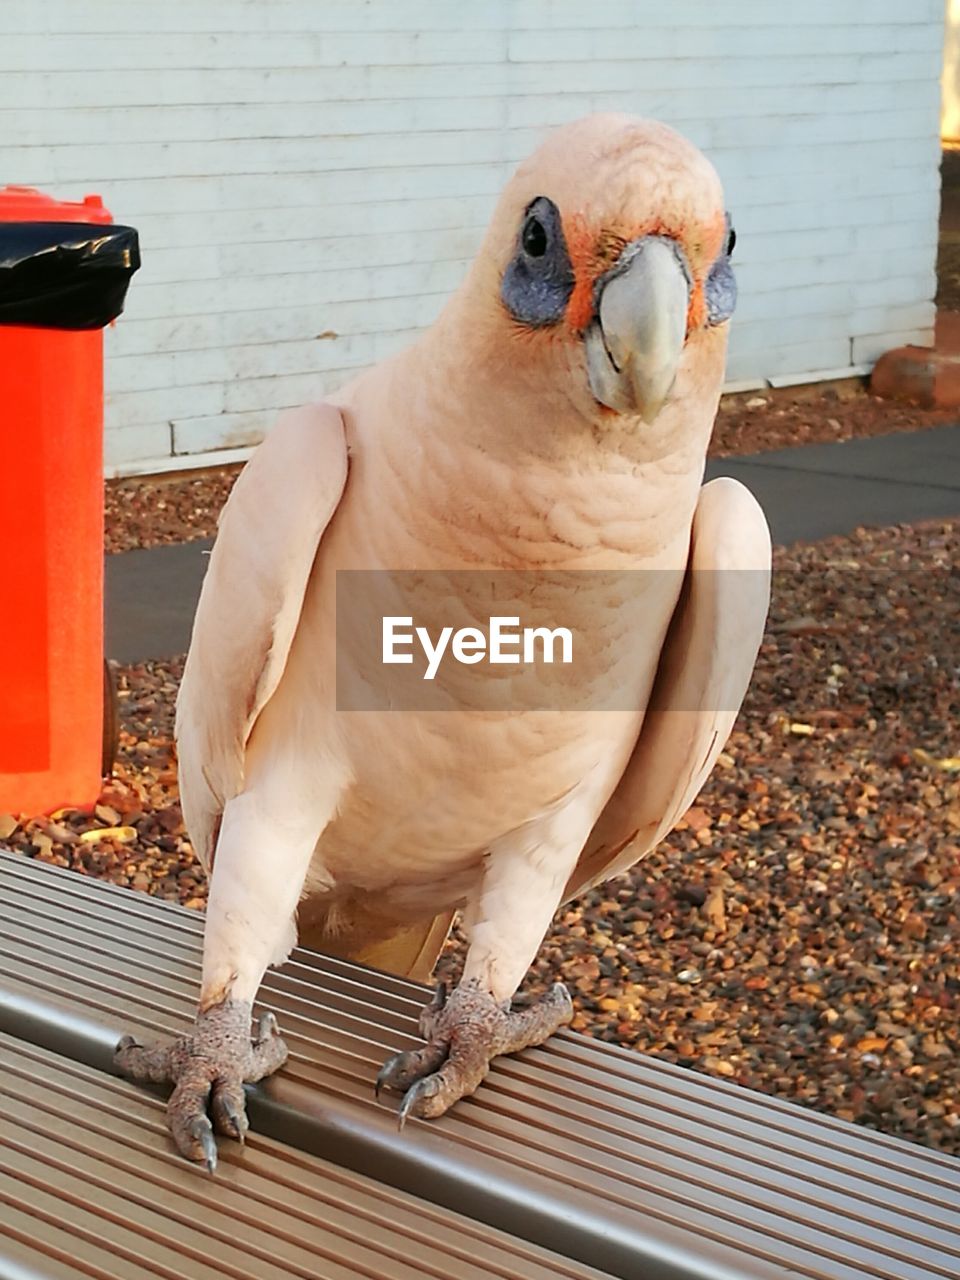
(89, 1185)
(611, 1159)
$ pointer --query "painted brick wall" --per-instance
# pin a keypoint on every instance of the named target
(309, 177)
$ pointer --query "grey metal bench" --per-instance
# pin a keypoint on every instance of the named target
(615, 1161)
(86, 1180)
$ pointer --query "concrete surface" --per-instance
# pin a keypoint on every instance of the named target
(151, 597)
(823, 489)
(808, 493)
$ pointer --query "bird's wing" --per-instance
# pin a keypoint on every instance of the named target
(704, 670)
(253, 591)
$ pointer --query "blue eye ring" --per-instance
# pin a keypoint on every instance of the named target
(539, 279)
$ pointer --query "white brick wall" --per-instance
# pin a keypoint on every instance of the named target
(309, 177)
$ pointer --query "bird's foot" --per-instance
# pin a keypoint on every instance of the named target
(463, 1034)
(209, 1068)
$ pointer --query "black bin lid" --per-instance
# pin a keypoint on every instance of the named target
(65, 275)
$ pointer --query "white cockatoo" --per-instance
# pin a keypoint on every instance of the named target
(554, 419)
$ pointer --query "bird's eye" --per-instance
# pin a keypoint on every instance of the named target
(731, 242)
(539, 279)
(534, 238)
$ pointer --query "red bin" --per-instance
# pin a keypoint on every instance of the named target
(64, 270)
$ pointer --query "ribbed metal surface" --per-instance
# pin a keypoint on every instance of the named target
(88, 1185)
(630, 1164)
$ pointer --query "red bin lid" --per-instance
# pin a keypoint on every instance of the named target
(26, 204)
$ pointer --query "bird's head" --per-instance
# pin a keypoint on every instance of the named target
(609, 253)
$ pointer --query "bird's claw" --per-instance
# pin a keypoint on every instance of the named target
(415, 1097)
(209, 1068)
(403, 1069)
(384, 1076)
(267, 1027)
(201, 1131)
(439, 999)
(229, 1117)
(463, 1034)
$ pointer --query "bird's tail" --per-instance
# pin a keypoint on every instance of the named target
(409, 951)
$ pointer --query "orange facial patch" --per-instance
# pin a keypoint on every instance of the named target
(696, 308)
(582, 246)
(592, 254)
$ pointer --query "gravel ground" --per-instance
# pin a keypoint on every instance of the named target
(798, 932)
(762, 420)
(148, 512)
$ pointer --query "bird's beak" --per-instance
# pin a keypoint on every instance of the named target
(636, 337)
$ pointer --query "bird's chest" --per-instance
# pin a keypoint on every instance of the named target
(441, 773)
(451, 738)
(431, 794)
